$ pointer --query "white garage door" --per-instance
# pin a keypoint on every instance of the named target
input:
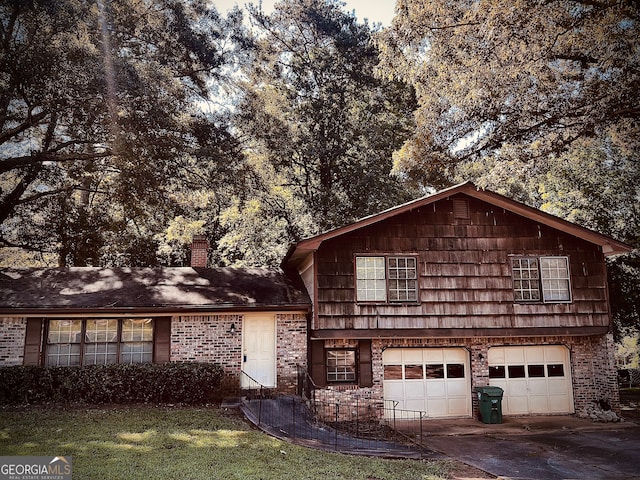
(432, 380)
(535, 379)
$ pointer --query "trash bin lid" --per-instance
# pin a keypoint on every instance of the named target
(490, 391)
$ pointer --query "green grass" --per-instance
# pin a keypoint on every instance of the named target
(156, 443)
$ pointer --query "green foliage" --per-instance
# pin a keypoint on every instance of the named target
(100, 125)
(176, 382)
(321, 119)
(539, 76)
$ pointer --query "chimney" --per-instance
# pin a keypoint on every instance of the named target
(199, 251)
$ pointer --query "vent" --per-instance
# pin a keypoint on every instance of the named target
(460, 209)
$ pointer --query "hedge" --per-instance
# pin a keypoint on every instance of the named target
(189, 383)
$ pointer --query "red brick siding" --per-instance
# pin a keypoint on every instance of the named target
(12, 338)
(592, 368)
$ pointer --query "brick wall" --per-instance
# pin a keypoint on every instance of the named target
(12, 337)
(291, 348)
(208, 338)
(592, 366)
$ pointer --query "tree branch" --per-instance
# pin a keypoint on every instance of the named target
(9, 164)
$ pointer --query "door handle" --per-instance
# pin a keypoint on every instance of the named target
(244, 358)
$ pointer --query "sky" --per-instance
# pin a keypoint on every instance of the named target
(374, 10)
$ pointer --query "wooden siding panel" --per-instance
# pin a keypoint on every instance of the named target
(464, 272)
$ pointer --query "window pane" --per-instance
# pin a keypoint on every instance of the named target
(100, 353)
(393, 372)
(101, 331)
(137, 330)
(535, 371)
(526, 284)
(555, 370)
(138, 352)
(63, 355)
(403, 284)
(455, 370)
(370, 279)
(435, 371)
(516, 371)
(555, 279)
(63, 343)
(65, 331)
(341, 365)
(413, 372)
(497, 371)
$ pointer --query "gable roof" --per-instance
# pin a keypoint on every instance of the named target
(152, 290)
(609, 245)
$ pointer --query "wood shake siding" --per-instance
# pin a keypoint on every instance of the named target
(464, 272)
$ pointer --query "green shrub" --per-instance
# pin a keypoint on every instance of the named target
(188, 383)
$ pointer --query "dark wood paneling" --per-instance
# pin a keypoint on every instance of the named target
(162, 340)
(33, 342)
(365, 364)
(464, 272)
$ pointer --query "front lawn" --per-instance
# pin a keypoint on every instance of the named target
(155, 443)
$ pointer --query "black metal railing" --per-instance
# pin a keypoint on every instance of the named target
(315, 418)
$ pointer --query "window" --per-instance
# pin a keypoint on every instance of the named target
(381, 278)
(99, 341)
(538, 279)
(370, 279)
(341, 365)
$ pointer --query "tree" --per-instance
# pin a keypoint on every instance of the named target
(315, 110)
(99, 126)
(537, 76)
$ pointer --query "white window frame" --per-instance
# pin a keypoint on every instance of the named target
(377, 281)
(344, 370)
(553, 279)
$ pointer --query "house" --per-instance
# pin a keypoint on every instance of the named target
(416, 306)
(419, 305)
(245, 319)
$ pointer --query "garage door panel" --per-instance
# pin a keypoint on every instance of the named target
(537, 386)
(457, 387)
(557, 386)
(534, 355)
(559, 403)
(432, 355)
(393, 390)
(437, 407)
(414, 389)
(392, 356)
(412, 356)
(539, 404)
(415, 404)
(537, 379)
(514, 356)
(516, 405)
(436, 388)
(516, 388)
(434, 380)
(457, 406)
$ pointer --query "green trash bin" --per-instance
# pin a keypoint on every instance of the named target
(490, 403)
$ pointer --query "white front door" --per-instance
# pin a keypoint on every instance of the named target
(259, 350)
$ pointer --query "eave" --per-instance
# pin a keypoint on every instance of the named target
(165, 310)
(360, 334)
(298, 252)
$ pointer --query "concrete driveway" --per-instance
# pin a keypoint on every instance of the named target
(544, 448)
